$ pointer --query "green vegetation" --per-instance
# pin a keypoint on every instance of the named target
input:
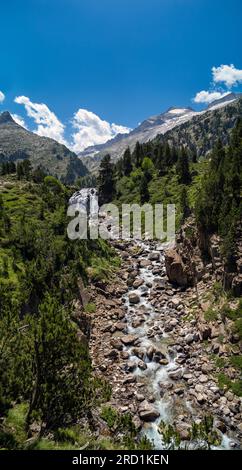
(219, 208)
(154, 173)
(90, 308)
(122, 423)
(211, 314)
(201, 436)
(226, 383)
(45, 370)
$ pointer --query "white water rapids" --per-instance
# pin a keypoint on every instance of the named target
(155, 376)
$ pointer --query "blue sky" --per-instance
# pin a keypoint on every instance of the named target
(122, 60)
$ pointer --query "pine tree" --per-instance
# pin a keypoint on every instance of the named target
(106, 183)
(167, 155)
(137, 155)
(144, 190)
(217, 156)
(185, 209)
(182, 167)
(194, 156)
(62, 368)
(127, 164)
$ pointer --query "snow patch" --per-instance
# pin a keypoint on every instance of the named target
(178, 111)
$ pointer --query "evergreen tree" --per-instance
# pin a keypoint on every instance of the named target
(144, 190)
(185, 209)
(167, 155)
(194, 156)
(218, 206)
(161, 164)
(137, 155)
(106, 183)
(61, 366)
(182, 167)
(148, 168)
(217, 156)
(127, 164)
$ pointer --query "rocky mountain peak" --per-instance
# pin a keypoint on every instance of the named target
(226, 99)
(6, 118)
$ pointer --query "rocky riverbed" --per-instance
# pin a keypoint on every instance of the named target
(149, 342)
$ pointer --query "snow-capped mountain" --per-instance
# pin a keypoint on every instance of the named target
(148, 130)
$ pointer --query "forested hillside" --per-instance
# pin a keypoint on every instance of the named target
(46, 381)
(200, 135)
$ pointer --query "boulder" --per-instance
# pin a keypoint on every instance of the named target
(189, 338)
(140, 397)
(113, 354)
(175, 374)
(137, 283)
(134, 298)
(147, 412)
(120, 326)
(144, 263)
(129, 379)
(203, 379)
(116, 344)
(142, 365)
(154, 256)
(175, 302)
(158, 356)
(201, 399)
(205, 331)
(128, 340)
(130, 366)
(175, 268)
(183, 430)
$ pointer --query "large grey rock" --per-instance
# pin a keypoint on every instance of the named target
(154, 256)
(147, 412)
(134, 298)
(175, 374)
(175, 268)
(137, 283)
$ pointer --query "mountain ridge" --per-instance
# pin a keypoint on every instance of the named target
(149, 129)
(18, 143)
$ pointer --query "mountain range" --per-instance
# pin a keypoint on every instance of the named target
(150, 128)
(17, 143)
(179, 126)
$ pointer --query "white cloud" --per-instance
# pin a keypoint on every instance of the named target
(2, 97)
(92, 130)
(19, 120)
(89, 129)
(208, 96)
(48, 125)
(227, 74)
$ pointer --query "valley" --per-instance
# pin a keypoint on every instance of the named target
(139, 339)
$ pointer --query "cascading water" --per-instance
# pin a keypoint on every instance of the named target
(155, 376)
(86, 199)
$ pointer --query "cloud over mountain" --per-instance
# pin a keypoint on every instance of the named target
(208, 96)
(48, 125)
(226, 74)
(90, 129)
(87, 128)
